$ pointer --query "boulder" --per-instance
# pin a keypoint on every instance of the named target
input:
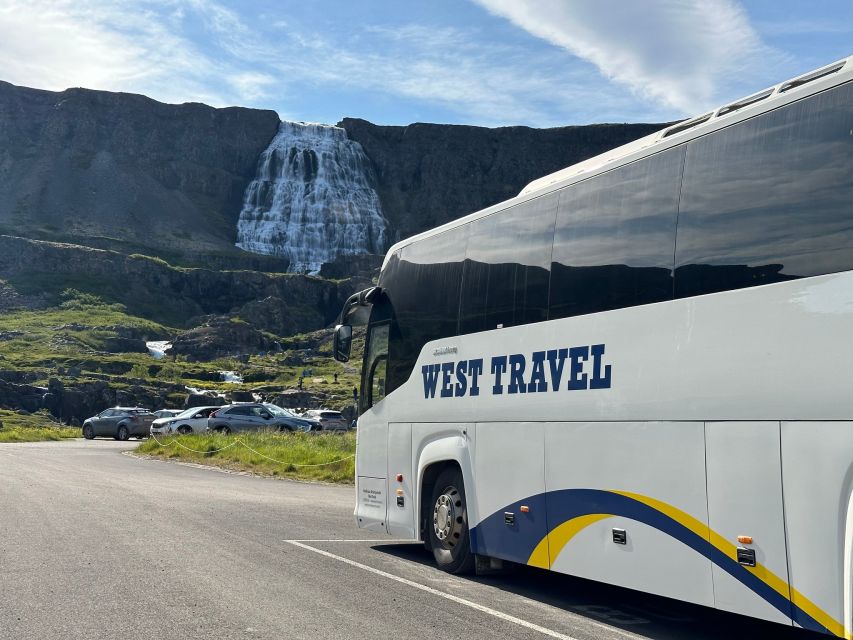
(295, 399)
(120, 344)
(203, 400)
(220, 337)
(21, 396)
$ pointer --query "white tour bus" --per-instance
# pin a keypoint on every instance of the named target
(638, 371)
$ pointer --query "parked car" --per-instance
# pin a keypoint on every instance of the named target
(193, 420)
(120, 423)
(167, 413)
(329, 420)
(252, 416)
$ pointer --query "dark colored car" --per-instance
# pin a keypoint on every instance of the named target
(252, 416)
(120, 423)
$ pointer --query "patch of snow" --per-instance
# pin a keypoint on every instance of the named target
(158, 348)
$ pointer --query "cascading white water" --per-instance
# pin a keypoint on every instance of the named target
(312, 199)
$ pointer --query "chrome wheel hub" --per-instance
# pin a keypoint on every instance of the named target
(446, 519)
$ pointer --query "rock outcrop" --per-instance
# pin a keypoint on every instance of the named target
(156, 290)
(429, 174)
(221, 337)
(93, 164)
(122, 171)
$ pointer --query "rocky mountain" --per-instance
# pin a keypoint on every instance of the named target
(122, 171)
(117, 169)
(429, 174)
(119, 217)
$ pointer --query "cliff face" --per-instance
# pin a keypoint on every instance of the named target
(122, 171)
(429, 174)
(92, 164)
(178, 297)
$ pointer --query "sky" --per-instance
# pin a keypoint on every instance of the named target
(540, 63)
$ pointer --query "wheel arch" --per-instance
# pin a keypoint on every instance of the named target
(434, 457)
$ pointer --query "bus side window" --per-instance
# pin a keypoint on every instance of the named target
(376, 366)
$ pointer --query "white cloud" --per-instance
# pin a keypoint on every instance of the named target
(203, 51)
(485, 81)
(251, 85)
(684, 54)
(116, 46)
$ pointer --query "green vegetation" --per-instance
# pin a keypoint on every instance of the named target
(71, 341)
(33, 427)
(287, 451)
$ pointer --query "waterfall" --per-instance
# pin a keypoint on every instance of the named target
(311, 200)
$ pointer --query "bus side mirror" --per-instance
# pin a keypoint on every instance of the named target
(343, 342)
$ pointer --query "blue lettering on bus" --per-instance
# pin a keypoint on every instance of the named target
(537, 374)
(430, 374)
(498, 368)
(556, 360)
(475, 369)
(462, 378)
(517, 364)
(446, 383)
(599, 381)
(577, 378)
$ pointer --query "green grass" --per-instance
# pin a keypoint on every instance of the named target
(288, 451)
(34, 427)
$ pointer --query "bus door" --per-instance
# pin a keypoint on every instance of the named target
(372, 484)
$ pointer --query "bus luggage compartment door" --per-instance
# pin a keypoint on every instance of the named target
(509, 470)
(744, 463)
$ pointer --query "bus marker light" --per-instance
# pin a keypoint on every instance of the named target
(399, 492)
(399, 477)
(524, 508)
(744, 539)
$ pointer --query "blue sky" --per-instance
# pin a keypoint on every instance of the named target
(488, 62)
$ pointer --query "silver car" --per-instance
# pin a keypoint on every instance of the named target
(120, 423)
(252, 416)
(193, 420)
(329, 420)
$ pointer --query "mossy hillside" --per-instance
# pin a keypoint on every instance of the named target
(68, 341)
(33, 427)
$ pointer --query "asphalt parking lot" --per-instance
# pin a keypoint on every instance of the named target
(99, 544)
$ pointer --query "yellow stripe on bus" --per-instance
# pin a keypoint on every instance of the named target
(552, 544)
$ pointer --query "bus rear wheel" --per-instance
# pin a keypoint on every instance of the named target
(448, 523)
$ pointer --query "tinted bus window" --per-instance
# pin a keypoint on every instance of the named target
(615, 238)
(505, 280)
(422, 286)
(769, 199)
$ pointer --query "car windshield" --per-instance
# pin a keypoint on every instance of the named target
(188, 413)
(277, 411)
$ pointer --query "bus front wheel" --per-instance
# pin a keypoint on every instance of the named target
(448, 523)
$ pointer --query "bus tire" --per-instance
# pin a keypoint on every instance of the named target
(447, 525)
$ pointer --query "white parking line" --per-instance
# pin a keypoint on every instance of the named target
(467, 603)
(353, 540)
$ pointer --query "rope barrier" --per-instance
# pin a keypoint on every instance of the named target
(239, 441)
